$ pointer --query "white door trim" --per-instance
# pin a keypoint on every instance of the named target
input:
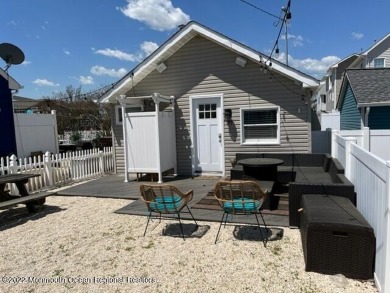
(192, 128)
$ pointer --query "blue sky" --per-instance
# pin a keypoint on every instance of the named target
(93, 43)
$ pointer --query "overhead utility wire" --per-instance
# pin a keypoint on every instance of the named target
(262, 10)
(284, 19)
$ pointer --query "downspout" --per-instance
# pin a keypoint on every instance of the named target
(367, 112)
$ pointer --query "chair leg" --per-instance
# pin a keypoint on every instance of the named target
(226, 218)
(192, 216)
(147, 224)
(220, 225)
(261, 233)
(181, 226)
(266, 228)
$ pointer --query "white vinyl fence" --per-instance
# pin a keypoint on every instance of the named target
(35, 132)
(371, 177)
(330, 120)
(58, 169)
(376, 141)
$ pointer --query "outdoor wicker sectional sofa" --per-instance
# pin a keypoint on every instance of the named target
(304, 173)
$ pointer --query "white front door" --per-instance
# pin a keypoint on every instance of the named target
(207, 134)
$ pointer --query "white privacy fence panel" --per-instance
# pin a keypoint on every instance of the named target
(35, 132)
(330, 120)
(357, 134)
(58, 169)
(380, 143)
(142, 142)
(371, 178)
(375, 141)
(338, 148)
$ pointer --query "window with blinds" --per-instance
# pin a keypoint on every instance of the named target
(260, 126)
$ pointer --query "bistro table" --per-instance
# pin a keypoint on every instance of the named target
(7, 199)
(261, 168)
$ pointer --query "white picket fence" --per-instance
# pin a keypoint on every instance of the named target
(371, 177)
(56, 170)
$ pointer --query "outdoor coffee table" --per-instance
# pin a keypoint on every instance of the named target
(261, 168)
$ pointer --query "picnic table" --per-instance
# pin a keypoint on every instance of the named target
(33, 202)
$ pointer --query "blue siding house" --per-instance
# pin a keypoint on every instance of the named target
(365, 99)
(7, 127)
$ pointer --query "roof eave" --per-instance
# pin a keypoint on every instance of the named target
(180, 39)
(12, 83)
(374, 104)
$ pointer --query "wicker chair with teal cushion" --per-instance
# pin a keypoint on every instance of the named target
(165, 199)
(240, 197)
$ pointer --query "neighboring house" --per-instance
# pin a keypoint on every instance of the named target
(7, 126)
(24, 105)
(377, 56)
(223, 102)
(365, 99)
(333, 79)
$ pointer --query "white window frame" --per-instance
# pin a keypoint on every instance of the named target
(119, 109)
(381, 58)
(273, 141)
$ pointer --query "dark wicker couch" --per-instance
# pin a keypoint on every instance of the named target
(305, 174)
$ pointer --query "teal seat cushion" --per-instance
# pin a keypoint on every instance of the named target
(166, 203)
(241, 205)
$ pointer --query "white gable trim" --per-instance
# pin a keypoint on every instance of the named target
(180, 39)
(376, 44)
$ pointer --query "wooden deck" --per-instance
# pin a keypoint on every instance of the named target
(113, 186)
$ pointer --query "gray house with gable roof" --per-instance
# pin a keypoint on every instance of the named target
(365, 99)
(224, 98)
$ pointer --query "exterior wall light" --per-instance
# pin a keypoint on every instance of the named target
(161, 67)
(241, 61)
(227, 115)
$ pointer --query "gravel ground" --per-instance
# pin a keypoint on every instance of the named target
(80, 245)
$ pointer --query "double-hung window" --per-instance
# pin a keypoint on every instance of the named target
(128, 109)
(260, 125)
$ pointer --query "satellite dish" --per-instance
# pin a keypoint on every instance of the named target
(11, 54)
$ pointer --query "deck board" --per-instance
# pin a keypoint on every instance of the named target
(113, 186)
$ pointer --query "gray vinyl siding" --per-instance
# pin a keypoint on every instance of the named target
(381, 51)
(349, 113)
(202, 67)
(340, 72)
(379, 118)
(117, 133)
